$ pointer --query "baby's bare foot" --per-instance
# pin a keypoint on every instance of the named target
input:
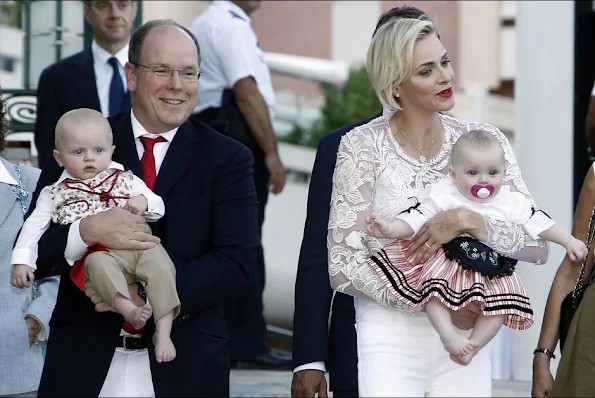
(164, 347)
(458, 345)
(466, 359)
(138, 316)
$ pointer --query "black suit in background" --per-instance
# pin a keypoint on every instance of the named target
(210, 231)
(313, 341)
(63, 86)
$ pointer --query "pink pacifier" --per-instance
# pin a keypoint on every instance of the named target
(482, 191)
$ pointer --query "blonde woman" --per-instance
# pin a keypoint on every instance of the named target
(380, 167)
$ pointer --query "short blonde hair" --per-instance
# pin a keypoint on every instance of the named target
(476, 139)
(78, 119)
(390, 55)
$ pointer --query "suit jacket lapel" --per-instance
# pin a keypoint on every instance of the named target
(7, 196)
(86, 82)
(178, 158)
(126, 152)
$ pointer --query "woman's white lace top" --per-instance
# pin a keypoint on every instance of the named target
(374, 174)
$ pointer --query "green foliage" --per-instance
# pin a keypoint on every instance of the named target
(354, 101)
(12, 12)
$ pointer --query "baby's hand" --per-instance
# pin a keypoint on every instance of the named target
(137, 205)
(576, 250)
(21, 275)
(378, 227)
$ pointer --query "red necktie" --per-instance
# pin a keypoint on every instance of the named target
(149, 170)
(147, 163)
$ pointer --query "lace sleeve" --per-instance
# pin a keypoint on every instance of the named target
(508, 238)
(348, 243)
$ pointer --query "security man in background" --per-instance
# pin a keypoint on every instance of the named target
(237, 99)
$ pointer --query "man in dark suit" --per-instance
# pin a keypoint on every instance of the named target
(93, 78)
(210, 231)
(314, 343)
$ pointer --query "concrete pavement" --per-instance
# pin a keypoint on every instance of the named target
(260, 383)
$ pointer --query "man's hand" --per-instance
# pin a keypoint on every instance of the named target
(277, 173)
(137, 205)
(442, 228)
(465, 318)
(102, 306)
(33, 328)
(117, 228)
(306, 383)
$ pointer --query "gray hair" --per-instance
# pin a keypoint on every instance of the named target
(139, 36)
(479, 139)
(390, 55)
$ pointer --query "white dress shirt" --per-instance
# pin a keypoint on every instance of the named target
(104, 72)
(25, 250)
(230, 52)
(75, 246)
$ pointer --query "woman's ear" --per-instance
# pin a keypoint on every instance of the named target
(396, 92)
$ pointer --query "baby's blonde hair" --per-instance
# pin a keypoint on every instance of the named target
(477, 139)
(75, 119)
(390, 55)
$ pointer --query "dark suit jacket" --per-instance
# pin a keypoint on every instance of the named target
(312, 339)
(210, 231)
(66, 85)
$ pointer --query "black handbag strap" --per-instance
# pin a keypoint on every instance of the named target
(579, 285)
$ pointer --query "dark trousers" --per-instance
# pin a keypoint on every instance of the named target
(346, 394)
(244, 315)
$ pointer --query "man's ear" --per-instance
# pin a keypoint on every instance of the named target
(58, 158)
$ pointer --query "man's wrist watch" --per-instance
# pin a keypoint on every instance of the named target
(142, 293)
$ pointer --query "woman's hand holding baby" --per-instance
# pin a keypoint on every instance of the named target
(137, 205)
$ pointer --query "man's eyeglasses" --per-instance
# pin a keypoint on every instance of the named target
(165, 72)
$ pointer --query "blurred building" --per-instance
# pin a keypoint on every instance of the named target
(11, 55)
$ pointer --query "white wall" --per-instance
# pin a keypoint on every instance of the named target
(282, 237)
(353, 23)
(183, 12)
(543, 141)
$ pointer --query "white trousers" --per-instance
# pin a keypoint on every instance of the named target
(129, 375)
(402, 356)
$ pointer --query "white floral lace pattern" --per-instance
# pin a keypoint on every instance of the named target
(374, 174)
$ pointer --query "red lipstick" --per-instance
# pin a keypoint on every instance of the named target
(445, 93)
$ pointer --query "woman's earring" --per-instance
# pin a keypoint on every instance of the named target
(397, 95)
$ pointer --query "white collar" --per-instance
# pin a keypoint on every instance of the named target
(66, 175)
(5, 176)
(228, 6)
(101, 57)
(138, 130)
(386, 111)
